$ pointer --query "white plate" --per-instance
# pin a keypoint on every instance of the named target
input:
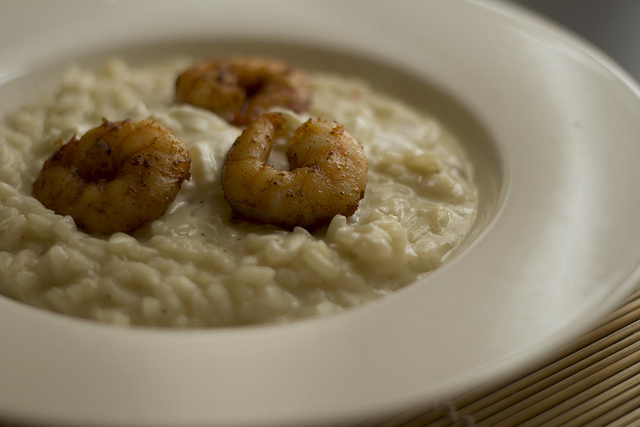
(551, 123)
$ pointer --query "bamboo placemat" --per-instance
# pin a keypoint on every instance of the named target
(594, 381)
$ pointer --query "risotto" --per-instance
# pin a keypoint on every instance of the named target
(194, 267)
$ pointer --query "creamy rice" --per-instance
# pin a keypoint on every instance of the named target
(193, 267)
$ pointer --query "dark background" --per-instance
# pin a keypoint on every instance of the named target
(611, 25)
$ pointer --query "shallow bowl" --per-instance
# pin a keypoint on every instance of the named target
(549, 122)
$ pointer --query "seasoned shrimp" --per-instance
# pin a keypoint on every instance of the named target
(242, 89)
(117, 177)
(328, 174)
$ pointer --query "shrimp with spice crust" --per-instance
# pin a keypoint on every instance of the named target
(242, 89)
(328, 174)
(117, 177)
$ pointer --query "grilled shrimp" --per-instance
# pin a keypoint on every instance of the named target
(242, 89)
(328, 174)
(117, 177)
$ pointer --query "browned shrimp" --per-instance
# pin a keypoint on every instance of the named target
(117, 177)
(242, 89)
(328, 174)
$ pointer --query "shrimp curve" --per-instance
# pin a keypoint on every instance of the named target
(328, 174)
(117, 177)
(242, 89)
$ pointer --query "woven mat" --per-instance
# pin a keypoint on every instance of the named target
(594, 381)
